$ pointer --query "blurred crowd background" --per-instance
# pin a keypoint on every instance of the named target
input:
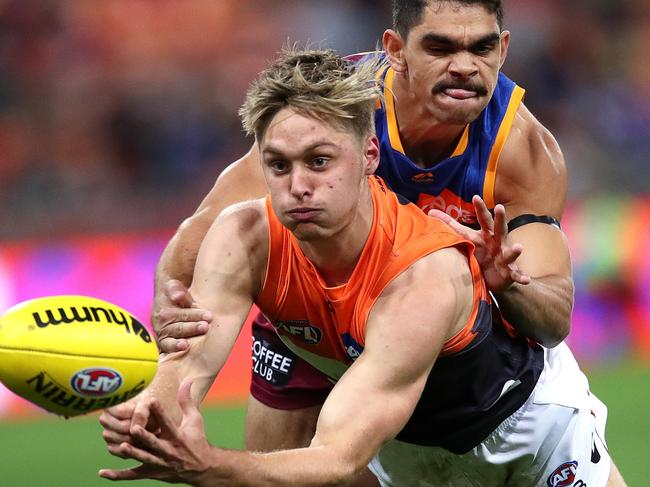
(119, 114)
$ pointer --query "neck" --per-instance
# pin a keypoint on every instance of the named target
(425, 139)
(336, 256)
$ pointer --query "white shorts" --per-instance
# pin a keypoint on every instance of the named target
(556, 439)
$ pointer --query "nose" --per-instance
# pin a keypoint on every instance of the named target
(462, 65)
(301, 183)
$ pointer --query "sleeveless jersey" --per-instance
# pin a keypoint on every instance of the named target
(325, 326)
(471, 169)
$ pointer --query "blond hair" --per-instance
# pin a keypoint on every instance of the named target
(319, 83)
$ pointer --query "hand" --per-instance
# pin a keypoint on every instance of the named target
(118, 420)
(175, 317)
(175, 453)
(494, 255)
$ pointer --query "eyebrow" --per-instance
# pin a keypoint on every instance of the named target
(309, 148)
(447, 41)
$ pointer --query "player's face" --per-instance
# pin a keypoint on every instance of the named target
(452, 58)
(316, 173)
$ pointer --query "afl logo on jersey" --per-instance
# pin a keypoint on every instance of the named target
(96, 382)
(301, 329)
(564, 475)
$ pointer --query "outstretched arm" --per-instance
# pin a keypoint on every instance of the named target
(230, 267)
(389, 375)
(175, 313)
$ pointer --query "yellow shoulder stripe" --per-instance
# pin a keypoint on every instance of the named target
(502, 135)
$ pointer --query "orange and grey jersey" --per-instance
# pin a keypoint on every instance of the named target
(464, 398)
(449, 184)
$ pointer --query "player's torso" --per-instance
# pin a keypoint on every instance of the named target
(325, 325)
(449, 184)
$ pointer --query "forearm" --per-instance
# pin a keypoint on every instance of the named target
(540, 310)
(305, 467)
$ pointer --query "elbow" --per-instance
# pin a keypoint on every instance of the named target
(553, 340)
(345, 474)
(558, 330)
(347, 469)
(559, 325)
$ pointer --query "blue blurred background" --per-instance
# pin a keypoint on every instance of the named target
(116, 117)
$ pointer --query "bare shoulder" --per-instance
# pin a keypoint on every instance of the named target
(436, 289)
(531, 175)
(247, 221)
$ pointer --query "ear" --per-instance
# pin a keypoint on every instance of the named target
(394, 49)
(371, 154)
(505, 42)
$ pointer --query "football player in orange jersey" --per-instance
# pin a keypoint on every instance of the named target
(445, 88)
(388, 303)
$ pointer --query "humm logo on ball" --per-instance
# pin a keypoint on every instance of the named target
(93, 314)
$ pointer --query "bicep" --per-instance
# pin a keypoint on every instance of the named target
(532, 179)
(404, 335)
(546, 251)
(531, 176)
(226, 278)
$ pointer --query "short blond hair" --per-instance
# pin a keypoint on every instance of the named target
(319, 83)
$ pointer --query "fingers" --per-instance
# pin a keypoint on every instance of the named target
(509, 256)
(129, 474)
(141, 413)
(441, 215)
(177, 324)
(116, 430)
(171, 345)
(135, 473)
(164, 420)
(460, 229)
(178, 293)
(149, 455)
(116, 422)
(173, 316)
(500, 225)
(483, 215)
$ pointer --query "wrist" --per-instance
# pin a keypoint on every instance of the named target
(507, 290)
(217, 471)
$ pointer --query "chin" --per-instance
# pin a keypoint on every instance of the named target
(458, 113)
(458, 116)
(307, 233)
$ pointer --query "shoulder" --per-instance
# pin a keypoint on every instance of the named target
(442, 266)
(247, 221)
(236, 245)
(532, 175)
(442, 277)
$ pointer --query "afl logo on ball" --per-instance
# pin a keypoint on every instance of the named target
(96, 382)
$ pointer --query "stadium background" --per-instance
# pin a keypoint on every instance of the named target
(116, 116)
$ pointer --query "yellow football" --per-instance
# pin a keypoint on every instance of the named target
(74, 354)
